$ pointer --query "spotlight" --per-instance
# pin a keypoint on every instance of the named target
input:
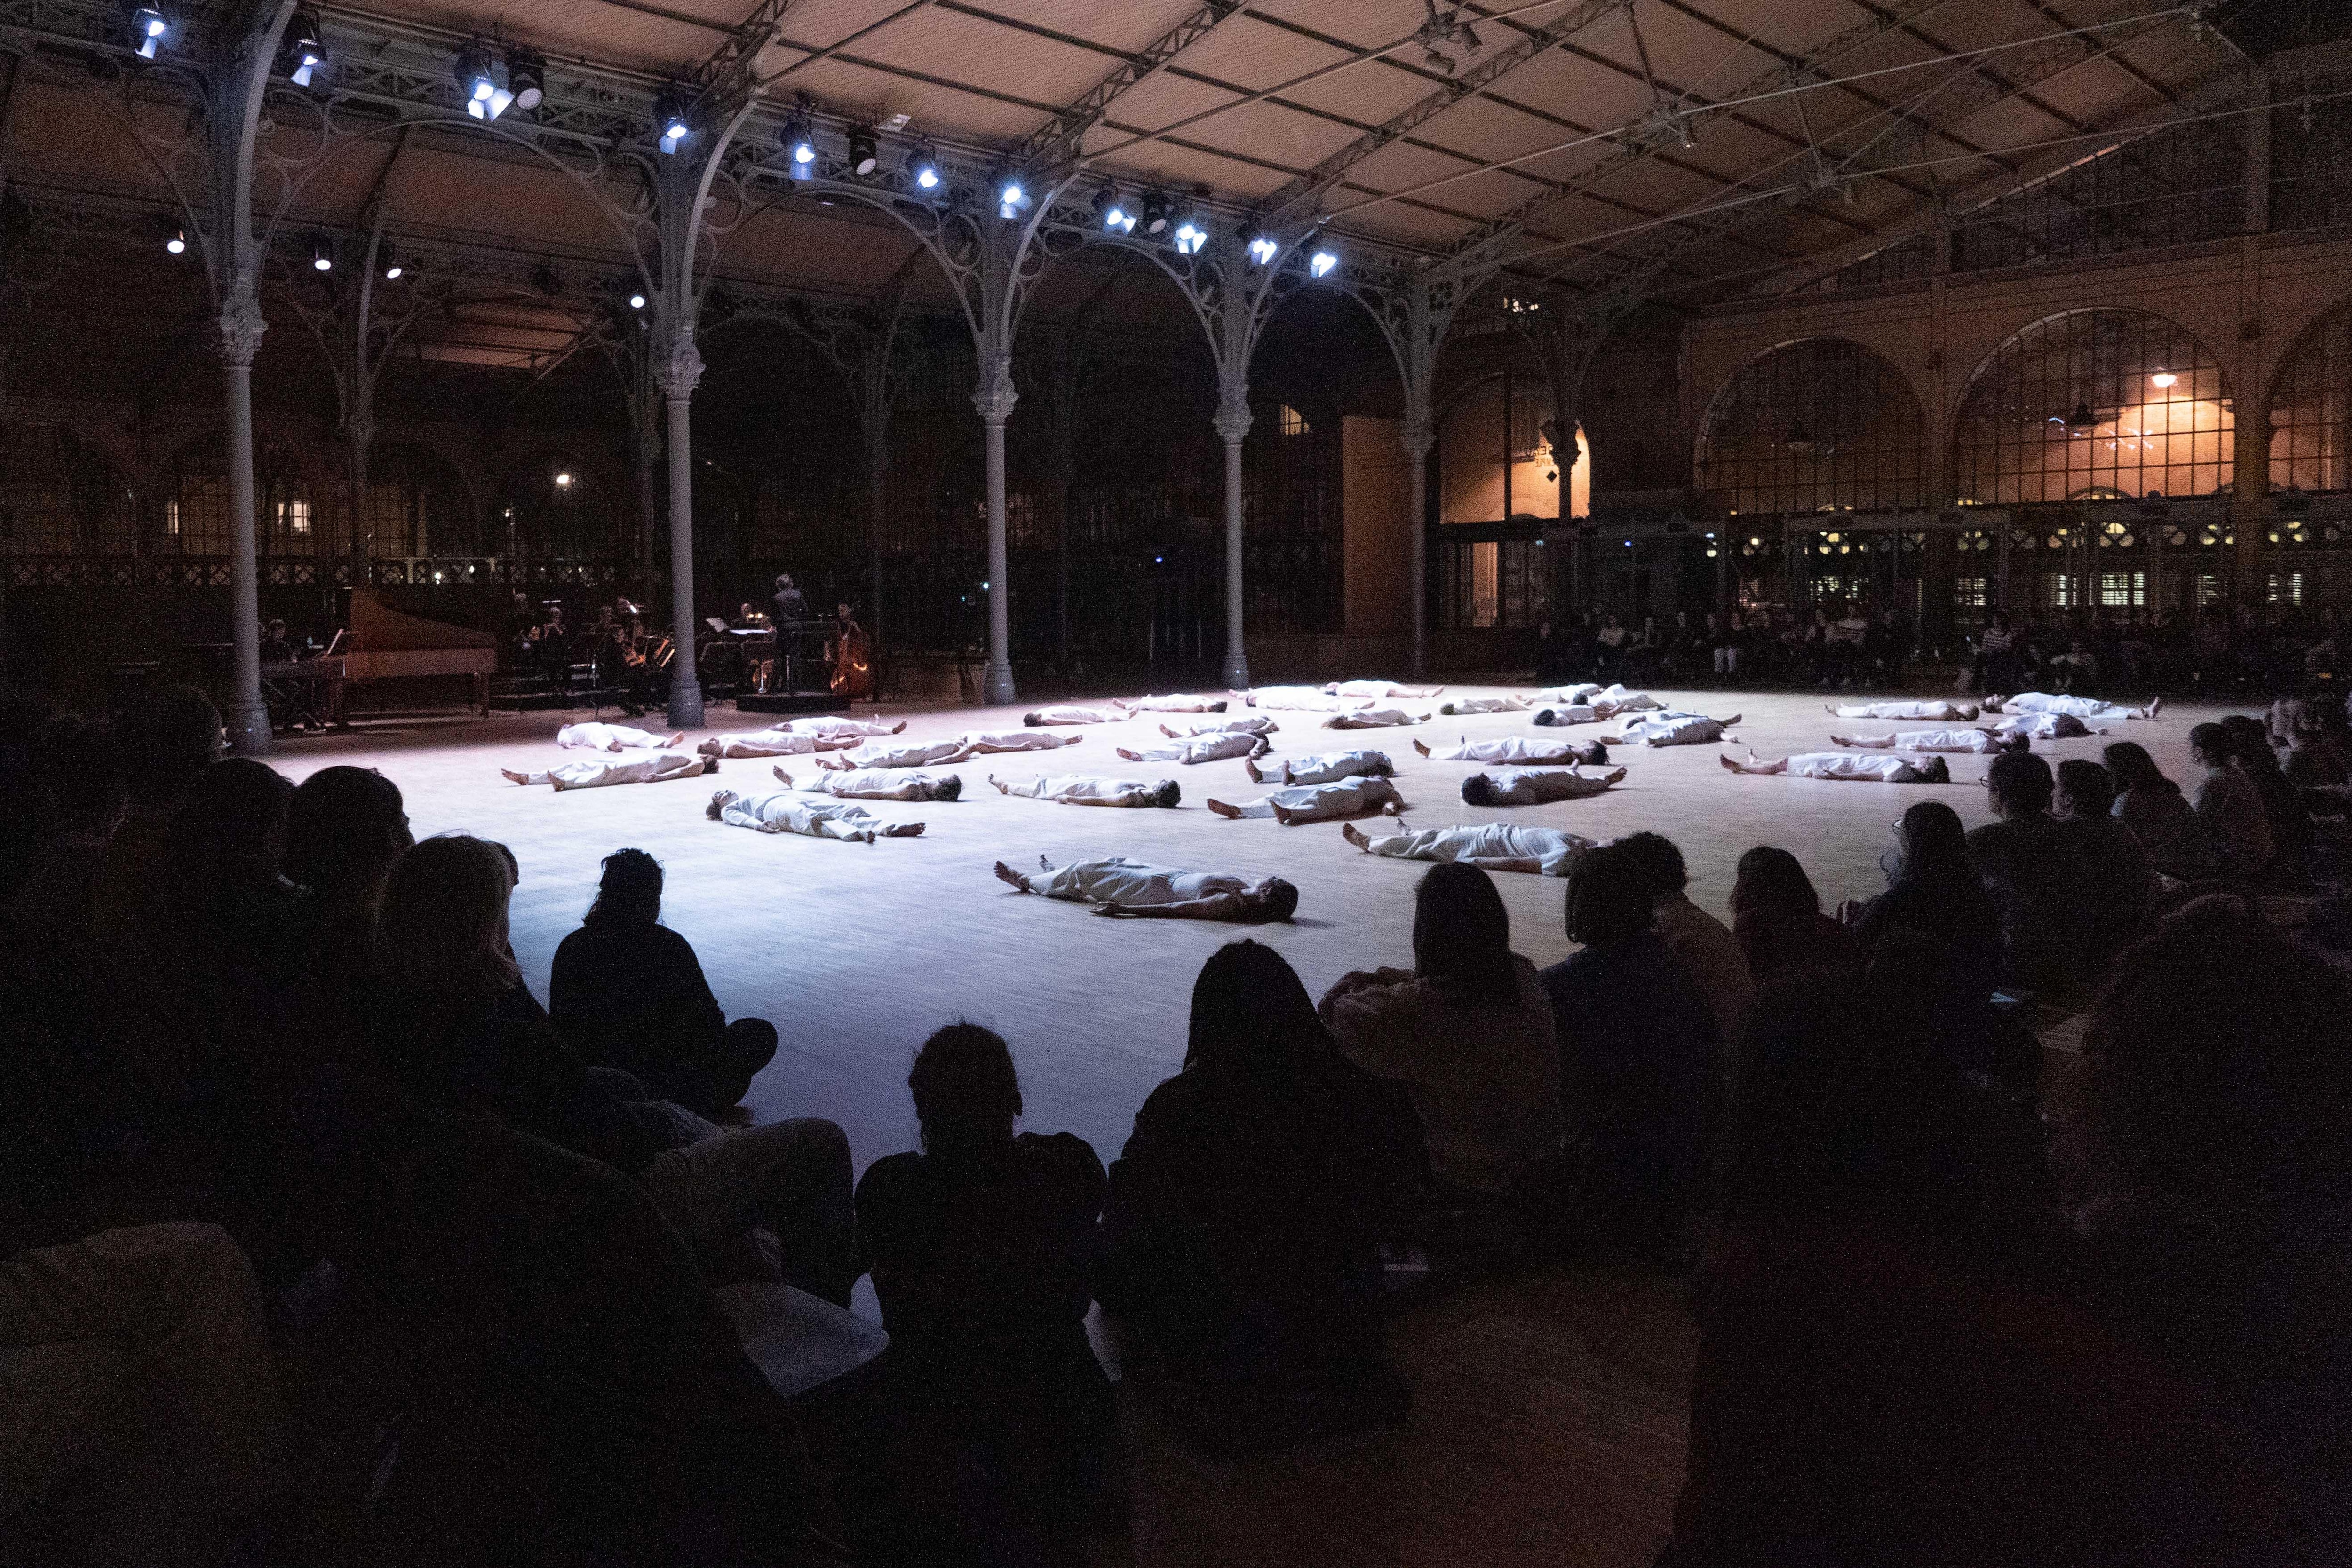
(1156, 212)
(527, 77)
(485, 99)
(148, 28)
(321, 258)
(304, 47)
(392, 267)
(1191, 236)
(637, 301)
(924, 168)
(2163, 378)
(1262, 248)
(1116, 218)
(1321, 263)
(1010, 197)
(669, 120)
(800, 142)
(175, 240)
(864, 151)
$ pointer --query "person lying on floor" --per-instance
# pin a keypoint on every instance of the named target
(1379, 689)
(1068, 715)
(595, 773)
(1972, 742)
(1252, 725)
(1303, 699)
(1078, 789)
(1935, 709)
(982, 742)
(2034, 727)
(878, 784)
(1354, 797)
(1606, 702)
(1201, 748)
(835, 724)
(1462, 708)
(1116, 885)
(773, 743)
(906, 754)
(2090, 709)
(1175, 702)
(616, 737)
(1373, 719)
(1519, 749)
(1493, 846)
(1325, 767)
(1893, 769)
(1534, 786)
(813, 816)
(1669, 729)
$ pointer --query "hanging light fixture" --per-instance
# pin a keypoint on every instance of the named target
(1262, 247)
(670, 122)
(322, 258)
(923, 168)
(303, 48)
(478, 75)
(1321, 264)
(148, 28)
(637, 301)
(1156, 212)
(392, 267)
(864, 151)
(175, 239)
(1192, 235)
(800, 141)
(1112, 213)
(2162, 379)
(527, 77)
(1012, 197)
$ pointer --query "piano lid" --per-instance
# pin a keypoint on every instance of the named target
(377, 628)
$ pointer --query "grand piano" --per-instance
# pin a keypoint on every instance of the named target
(381, 643)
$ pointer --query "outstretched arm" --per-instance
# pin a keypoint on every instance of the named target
(1216, 906)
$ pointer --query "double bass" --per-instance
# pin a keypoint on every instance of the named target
(851, 657)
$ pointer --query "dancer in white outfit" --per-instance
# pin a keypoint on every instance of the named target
(813, 816)
(906, 754)
(1935, 710)
(832, 725)
(773, 743)
(1045, 716)
(1250, 726)
(1462, 708)
(1326, 767)
(616, 737)
(981, 742)
(1973, 742)
(1566, 714)
(1534, 786)
(1373, 719)
(1303, 699)
(1201, 748)
(1520, 750)
(1077, 790)
(1122, 887)
(1670, 729)
(2086, 708)
(878, 784)
(1577, 695)
(2033, 727)
(1175, 702)
(1379, 689)
(1319, 802)
(1495, 846)
(1893, 769)
(597, 772)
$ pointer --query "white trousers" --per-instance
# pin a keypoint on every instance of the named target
(1073, 715)
(794, 811)
(1974, 742)
(1176, 702)
(980, 742)
(1513, 749)
(1549, 848)
(1935, 709)
(1373, 719)
(1077, 790)
(2072, 708)
(880, 784)
(1535, 786)
(771, 743)
(1668, 730)
(597, 773)
(912, 754)
(1325, 802)
(609, 738)
(1462, 708)
(1330, 767)
(1200, 748)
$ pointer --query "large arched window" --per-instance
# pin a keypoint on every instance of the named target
(2311, 408)
(59, 495)
(1819, 424)
(197, 508)
(2091, 404)
(415, 506)
(556, 506)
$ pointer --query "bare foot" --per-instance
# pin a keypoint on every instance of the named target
(1356, 836)
(512, 777)
(1001, 790)
(1169, 732)
(1231, 813)
(899, 726)
(1131, 755)
(1417, 745)
(676, 740)
(1282, 814)
(1728, 765)
(1249, 766)
(784, 778)
(2156, 707)
(903, 830)
(1612, 776)
(831, 764)
(1735, 718)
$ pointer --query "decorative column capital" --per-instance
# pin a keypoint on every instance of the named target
(1234, 419)
(1418, 434)
(241, 327)
(677, 366)
(993, 399)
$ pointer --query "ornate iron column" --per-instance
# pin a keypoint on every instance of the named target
(677, 366)
(1232, 423)
(994, 400)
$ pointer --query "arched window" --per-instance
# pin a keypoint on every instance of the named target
(1819, 424)
(2311, 408)
(197, 508)
(415, 506)
(2106, 401)
(1489, 473)
(556, 507)
(59, 495)
(1291, 421)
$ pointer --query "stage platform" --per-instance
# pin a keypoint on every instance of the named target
(1550, 1416)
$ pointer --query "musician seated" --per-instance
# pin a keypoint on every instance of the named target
(751, 617)
(275, 648)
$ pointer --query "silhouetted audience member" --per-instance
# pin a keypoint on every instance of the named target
(344, 829)
(2021, 860)
(164, 738)
(1933, 892)
(2229, 806)
(73, 800)
(1700, 942)
(2311, 752)
(1244, 1218)
(627, 992)
(1776, 917)
(1465, 1032)
(1642, 1064)
(983, 1248)
(2109, 871)
(2282, 807)
(2160, 816)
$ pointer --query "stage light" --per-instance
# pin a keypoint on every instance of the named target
(799, 143)
(391, 268)
(321, 258)
(304, 47)
(485, 99)
(924, 167)
(527, 77)
(149, 27)
(1321, 263)
(2163, 378)
(176, 241)
(1012, 197)
(1156, 214)
(1112, 211)
(1262, 249)
(670, 120)
(564, 481)
(864, 151)
(637, 301)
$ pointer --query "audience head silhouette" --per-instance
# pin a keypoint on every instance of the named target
(168, 735)
(2133, 769)
(2211, 745)
(344, 828)
(1251, 1013)
(2020, 784)
(228, 836)
(966, 1095)
(1609, 896)
(2251, 744)
(630, 890)
(1659, 860)
(1773, 878)
(1932, 841)
(1462, 933)
(2084, 788)
(441, 931)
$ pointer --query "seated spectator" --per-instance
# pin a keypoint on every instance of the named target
(2159, 815)
(345, 827)
(2311, 754)
(2022, 865)
(2229, 807)
(2108, 869)
(1934, 892)
(1466, 1032)
(77, 799)
(1244, 1216)
(1641, 1066)
(164, 739)
(627, 992)
(1700, 942)
(1777, 918)
(458, 1030)
(981, 1248)
(2282, 807)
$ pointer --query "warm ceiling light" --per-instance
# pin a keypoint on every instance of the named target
(564, 481)
(2163, 378)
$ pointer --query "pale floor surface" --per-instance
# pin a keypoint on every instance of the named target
(858, 951)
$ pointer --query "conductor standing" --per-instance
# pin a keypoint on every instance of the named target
(792, 604)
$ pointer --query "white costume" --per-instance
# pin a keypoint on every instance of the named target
(595, 773)
(907, 754)
(1548, 850)
(2045, 727)
(1373, 719)
(1461, 707)
(1670, 729)
(1612, 700)
(1303, 699)
(1974, 742)
(882, 784)
(1175, 702)
(796, 811)
(1325, 802)
(981, 742)
(1120, 881)
(1250, 726)
(1077, 790)
(612, 737)
(1892, 769)
(1200, 748)
(1329, 766)
(772, 743)
(1571, 713)
(1535, 786)
(1936, 711)
(833, 726)
(2073, 708)
(1072, 715)
(1577, 695)
(1379, 689)
(1517, 749)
